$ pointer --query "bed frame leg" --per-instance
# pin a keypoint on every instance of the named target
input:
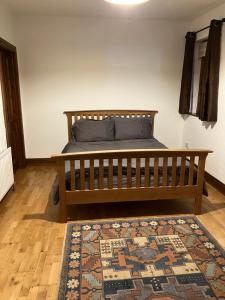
(63, 216)
(62, 211)
(198, 205)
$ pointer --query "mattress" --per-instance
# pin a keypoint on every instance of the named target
(113, 145)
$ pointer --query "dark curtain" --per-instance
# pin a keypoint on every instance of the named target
(209, 78)
(186, 83)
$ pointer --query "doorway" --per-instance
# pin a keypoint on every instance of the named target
(9, 77)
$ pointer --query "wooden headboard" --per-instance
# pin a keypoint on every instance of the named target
(73, 116)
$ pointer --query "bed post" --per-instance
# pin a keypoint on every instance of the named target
(200, 182)
(69, 125)
(153, 113)
(62, 191)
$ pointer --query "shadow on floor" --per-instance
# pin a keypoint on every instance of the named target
(125, 209)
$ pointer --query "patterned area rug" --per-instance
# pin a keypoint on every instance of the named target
(160, 258)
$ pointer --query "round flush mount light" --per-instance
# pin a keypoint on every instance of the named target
(127, 2)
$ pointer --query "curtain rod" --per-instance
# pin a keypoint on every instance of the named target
(223, 20)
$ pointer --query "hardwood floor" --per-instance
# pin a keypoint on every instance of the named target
(31, 239)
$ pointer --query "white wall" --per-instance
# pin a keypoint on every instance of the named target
(90, 63)
(195, 133)
(6, 24)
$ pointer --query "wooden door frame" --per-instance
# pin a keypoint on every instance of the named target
(11, 49)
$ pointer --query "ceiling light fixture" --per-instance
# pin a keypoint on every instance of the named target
(127, 2)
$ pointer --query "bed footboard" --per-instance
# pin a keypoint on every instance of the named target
(158, 174)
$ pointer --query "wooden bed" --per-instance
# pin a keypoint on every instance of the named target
(139, 191)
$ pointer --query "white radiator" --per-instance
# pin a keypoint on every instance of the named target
(6, 172)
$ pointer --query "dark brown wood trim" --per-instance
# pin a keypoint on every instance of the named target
(22, 153)
(12, 103)
(7, 46)
(217, 184)
(39, 161)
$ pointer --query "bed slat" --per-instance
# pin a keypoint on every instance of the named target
(72, 175)
(101, 174)
(92, 174)
(147, 172)
(82, 175)
(165, 169)
(120, 175)
(138, 173)
(110, 179)
(156, 171)
(182, 171)
(174, 171)
(129, 178)
(191, 170)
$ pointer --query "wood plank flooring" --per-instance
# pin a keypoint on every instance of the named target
(31, 239)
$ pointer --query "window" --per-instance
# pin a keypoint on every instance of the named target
(200, 52)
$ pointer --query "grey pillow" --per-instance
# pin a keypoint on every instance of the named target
(85, 130)
(133, 128)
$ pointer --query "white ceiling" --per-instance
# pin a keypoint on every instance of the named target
(155, 9)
